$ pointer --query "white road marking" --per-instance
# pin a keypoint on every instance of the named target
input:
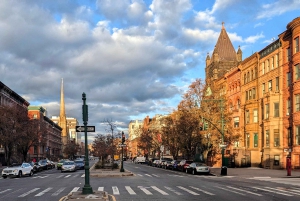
(159, 190)
(115, 190)
(174, 191)
(155, 175)
(130, 191)
(76, 175)
(148, 175)
(67, 176)
(101, 189)
(60, 176)
(5, 191)
(25, 194)
(203, 191)
(75, 189)
(43, 192)
(230, 190)
(145, 190)
(140, 175)
(58, 191)
(187, 190)
(245, 191)
(274, 191)
(83, 175)
(285, 191)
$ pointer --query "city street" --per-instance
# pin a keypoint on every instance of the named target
(151, 183)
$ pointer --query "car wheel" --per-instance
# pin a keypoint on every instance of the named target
(4, 177)
(31, 173)
(20, 174)
(61, 171)
(193, 172)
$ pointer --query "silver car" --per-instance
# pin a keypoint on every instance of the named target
(68, 166)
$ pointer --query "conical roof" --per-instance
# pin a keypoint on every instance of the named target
(224, 47)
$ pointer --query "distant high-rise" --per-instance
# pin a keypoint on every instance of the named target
(62, 116)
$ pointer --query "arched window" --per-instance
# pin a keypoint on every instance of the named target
(248, 77)
(239, 103)
(252, 75)
(245, 79)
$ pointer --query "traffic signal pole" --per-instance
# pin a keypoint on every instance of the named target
(123, 140)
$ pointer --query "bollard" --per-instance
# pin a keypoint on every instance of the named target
(288, 166)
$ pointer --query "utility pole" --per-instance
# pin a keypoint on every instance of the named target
(123, 140)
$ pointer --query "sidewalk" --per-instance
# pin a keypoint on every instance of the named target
(256, 172)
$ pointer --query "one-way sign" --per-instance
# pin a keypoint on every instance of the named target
(88, 129)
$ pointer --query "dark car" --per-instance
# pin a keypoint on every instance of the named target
(150, 162)
(79, 164)
(46, 164)
(183, 165)
(174, 164)
(36, 167)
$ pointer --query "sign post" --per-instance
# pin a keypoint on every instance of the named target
(87, 189)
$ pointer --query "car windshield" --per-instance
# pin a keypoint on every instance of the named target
(68, 163)
(200, 164)
(80, 162)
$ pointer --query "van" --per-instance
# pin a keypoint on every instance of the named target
(140, 159)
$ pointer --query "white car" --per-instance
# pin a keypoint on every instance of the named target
(196, 168)
(17, 170)
(68, 166)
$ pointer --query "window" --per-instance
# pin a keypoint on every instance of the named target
(236, 122)
(276, 61)
(245, 79)
(250, 94)
(35, 116)
(263, 88)
(253, 93)
(288, 79)
(248, 77)
(247, 117)
(239, 103)
(276, 138)
(276, 109)
(297, 142)
(263, 68)
(288, 107)
(288, 54)
(272, 63)
(252, 75)
(296, 44)
(267, 111)
(267, 138)
(246, 95)
(277, 84)
(248, 140)
(290, 137)
(255, 72)
(255, 116)
(297, 71)
(255, 144)
(35, 149)
(297, 102)
(268, 65)
(132, 126)
(270, 85)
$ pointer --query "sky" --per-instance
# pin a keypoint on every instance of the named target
(132, 58)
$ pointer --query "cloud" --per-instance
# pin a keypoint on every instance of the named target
(253, 39)
(277, 8)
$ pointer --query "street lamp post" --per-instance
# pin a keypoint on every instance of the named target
(123, 140)
(87, 189)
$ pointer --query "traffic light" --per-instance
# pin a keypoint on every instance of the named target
(123, 137)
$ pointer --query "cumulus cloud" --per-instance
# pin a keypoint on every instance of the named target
(278, 8)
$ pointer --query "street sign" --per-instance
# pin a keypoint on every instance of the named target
(122, 145)
(88, 129)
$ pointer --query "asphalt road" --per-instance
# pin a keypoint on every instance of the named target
(152, 184)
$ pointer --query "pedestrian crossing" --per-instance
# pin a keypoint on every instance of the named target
(288, 181)
(161, 191)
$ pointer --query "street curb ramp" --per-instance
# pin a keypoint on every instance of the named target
(78, 196)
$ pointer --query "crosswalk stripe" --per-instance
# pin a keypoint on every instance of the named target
(115, 190)
(244, 191)
(278, 189)
(43, 192)
(83, 175)
(58, 191)
(187, 190)
(101, 189)
(155, 175)
(172, 190)
(130, 191)
(5, 191)
(230, 190)
(159, 190)
(148, 175)
(145, 190)
(76, 175)
(25, 194)
(203, 191)
(274, 191)
(140, 175)
(60, 176)
(75, 189)
(67, 176)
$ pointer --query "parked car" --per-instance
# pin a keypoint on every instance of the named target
(79, 164)
(196, 168)
(175, 164)
(17, 170)
(140, 159)
(155, 162)
(60, 163)
(183, 165)
(151, 160)
(36, 167)
(52, 164)
(68, 166)
(167, 165)
(46, 164)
